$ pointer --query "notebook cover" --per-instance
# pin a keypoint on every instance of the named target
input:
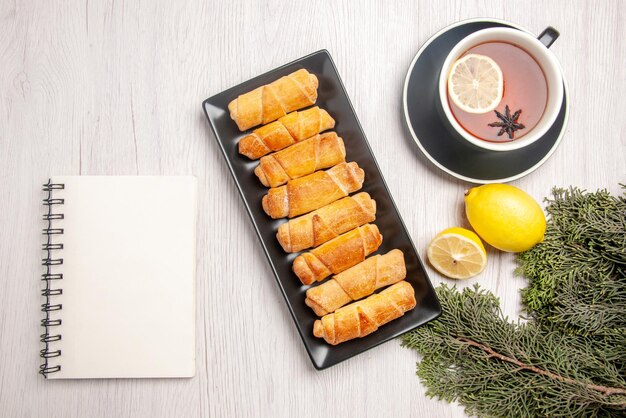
(128, 286)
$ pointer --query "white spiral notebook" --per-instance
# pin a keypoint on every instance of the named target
(119, 275)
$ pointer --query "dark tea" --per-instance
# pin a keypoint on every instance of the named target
(525, 89)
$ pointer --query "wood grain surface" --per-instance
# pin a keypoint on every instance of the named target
(115, 87)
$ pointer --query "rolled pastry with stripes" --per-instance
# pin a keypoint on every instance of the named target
(356, 282)
(338, 254)
(361, 318)
(306, 157)
(314, 191)
(272, 101)
(324, 224)
(286, 131)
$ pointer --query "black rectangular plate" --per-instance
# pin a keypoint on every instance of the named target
(332, 97)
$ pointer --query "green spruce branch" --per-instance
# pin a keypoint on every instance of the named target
(578, 274)
(568, 359)
(522, 366)
(494, 367)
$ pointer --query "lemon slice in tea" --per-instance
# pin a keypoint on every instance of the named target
(457, 253)
(475, 84)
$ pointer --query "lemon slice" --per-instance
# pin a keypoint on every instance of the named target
(476, 84)
(457, 253)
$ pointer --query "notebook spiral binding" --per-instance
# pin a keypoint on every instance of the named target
(49, 276)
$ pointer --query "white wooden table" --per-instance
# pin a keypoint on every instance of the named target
(115, 87)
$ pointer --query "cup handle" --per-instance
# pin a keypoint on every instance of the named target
(548, 36)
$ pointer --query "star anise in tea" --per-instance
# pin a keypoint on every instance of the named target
(507, 123)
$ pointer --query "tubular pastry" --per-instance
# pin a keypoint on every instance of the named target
(301, 159)
(365, 316)
(324, 224)
(338, 254)
(311, 192)
(357, 282)
(286, 131)
(272, 101)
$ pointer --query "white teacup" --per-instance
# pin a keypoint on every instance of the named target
(538, 48)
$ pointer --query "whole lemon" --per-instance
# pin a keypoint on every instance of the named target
(505, 217)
